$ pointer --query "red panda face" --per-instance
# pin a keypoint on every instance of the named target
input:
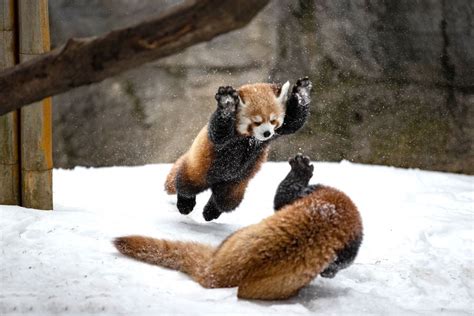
(261, 110)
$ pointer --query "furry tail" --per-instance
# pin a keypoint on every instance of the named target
(188, 257)
(170, 183)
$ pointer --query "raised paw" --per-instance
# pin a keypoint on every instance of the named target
(227, 98)
(301, 165)
(303, 88)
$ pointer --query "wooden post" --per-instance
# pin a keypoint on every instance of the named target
(9, 160)
(36, 120)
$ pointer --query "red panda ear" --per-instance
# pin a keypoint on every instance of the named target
(276, 87)
(241, 101)
(283, 93)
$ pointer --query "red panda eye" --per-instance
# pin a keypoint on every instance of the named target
(257, 123)
(273, 122)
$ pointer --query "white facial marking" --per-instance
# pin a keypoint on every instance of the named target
(281, 118)
(242, 104)
(264, 131)
(281, 99)
(257, 119)
(243, 126)
(277, 120)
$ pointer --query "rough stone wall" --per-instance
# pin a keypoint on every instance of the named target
(394, 80)
(394, 83)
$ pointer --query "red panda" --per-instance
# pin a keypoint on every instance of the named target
(230, 149)
(316, 230)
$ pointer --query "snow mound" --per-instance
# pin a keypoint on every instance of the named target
(416, 257)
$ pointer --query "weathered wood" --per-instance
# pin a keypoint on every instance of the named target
(36, 134)
(34, 28)
(37, 191)
(84, 61)
(6, 15)
(9, 160)
(36, 120)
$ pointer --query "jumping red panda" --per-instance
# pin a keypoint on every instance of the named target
(316, 230)
(230, 149)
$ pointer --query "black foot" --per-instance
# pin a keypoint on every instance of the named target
(227, 98)
(301, 167)
(185, 204)
(211, 212)
(329, 273)
(344, 258)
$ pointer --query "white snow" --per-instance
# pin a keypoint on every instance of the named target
(416, 257)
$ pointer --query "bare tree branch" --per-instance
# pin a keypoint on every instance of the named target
(85, 61)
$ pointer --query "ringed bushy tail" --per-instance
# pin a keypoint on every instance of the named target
(188, 257)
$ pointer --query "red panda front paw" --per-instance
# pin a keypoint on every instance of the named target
(301, 166)
(303, 88)
(227, 98)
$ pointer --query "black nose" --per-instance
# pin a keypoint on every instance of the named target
(266, 134)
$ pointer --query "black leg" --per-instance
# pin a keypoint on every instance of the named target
(186, 204)
(297, 107)
(344, 258)
(186, 192)
(296, 182)
(225, 197)
(211, 210)
(222, 123)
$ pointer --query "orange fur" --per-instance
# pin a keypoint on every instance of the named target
(259, 100)
(170, 183)
(273, 259)
(167, 253)
(193, 165)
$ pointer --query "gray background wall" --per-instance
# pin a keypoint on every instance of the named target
(394, 83)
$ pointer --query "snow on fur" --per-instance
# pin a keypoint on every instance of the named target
(416, 257)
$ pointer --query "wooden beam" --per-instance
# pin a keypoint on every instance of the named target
(84, 61)
(9, 158)
(36, 120)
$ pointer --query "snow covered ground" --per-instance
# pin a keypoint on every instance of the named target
(416, 258)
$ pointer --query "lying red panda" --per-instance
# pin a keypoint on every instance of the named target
(230, 149)
(316, 230)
